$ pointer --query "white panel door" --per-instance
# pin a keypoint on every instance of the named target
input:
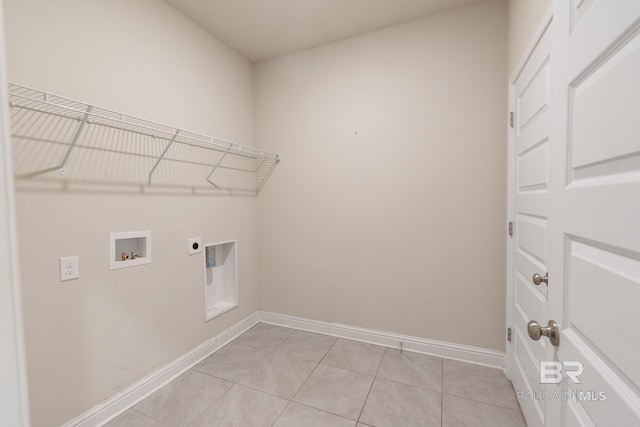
(594, 216)
(530, 99)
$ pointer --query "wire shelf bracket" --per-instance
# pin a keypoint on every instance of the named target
(89, 144)
(83, 122)
(163, 154)
(216, 167)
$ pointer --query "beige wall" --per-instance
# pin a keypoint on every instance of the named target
(388, 210)
(524, 17)
(90, 338)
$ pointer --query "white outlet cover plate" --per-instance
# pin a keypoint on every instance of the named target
(193, 240)
(69, 268)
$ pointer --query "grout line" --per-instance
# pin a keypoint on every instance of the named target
(212, 376)
(371, 387)
(323, 410)
(305, 380)
(380, 363)
(137, 412)
(262, 348)
(291, 332)
(210, 405)
(209, 375)
(269, 353)
(262, 391)
(254, 349)
(353, 370)
(286, 354)
(328, 351)
(408, 385)
(238, 383)
(280, 414)
(484, 403)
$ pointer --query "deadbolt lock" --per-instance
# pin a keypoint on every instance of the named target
(537, 279)
(550, 331)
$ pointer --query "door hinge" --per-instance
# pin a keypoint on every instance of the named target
(510, 228)
(512, 119)
(509, 334)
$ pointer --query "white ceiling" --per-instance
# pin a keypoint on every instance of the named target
(262, 29)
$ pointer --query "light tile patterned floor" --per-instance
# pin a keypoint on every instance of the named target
(279, 377)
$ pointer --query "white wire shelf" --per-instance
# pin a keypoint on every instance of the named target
(56, 138)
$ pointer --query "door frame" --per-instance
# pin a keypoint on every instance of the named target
(14, 404)
(545, 21)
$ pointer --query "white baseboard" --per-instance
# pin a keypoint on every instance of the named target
(465, 353)
(119, 403)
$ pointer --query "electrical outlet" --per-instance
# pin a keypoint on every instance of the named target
(195, 245)
(69, 268)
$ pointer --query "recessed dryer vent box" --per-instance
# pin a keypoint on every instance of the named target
(128, 249)
(220, 278)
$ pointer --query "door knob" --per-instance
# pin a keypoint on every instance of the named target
(537, 279)
(550, 331)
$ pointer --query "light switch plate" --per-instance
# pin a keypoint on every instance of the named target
(69, 268)
(195, 245)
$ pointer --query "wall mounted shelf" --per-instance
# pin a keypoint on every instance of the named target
(56, 138)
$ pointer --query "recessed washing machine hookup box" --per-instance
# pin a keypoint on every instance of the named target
(129, 248)
(220, 278)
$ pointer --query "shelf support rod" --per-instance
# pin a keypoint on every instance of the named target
(175, 135)
(216, 167)
(83, 122)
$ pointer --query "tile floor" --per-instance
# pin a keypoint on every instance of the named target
(279, 377)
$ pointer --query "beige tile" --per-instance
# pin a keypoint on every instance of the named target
(412, 368)
(394, 404)
(355, 356)
(264, 336)
(273, 361)
(279, 375)
(132, 418)
(338, 391)
(297, 415)
(480, 383)
(183, 399)
(459, 412)
(232, 362)
(242, 407)
(306, 345)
